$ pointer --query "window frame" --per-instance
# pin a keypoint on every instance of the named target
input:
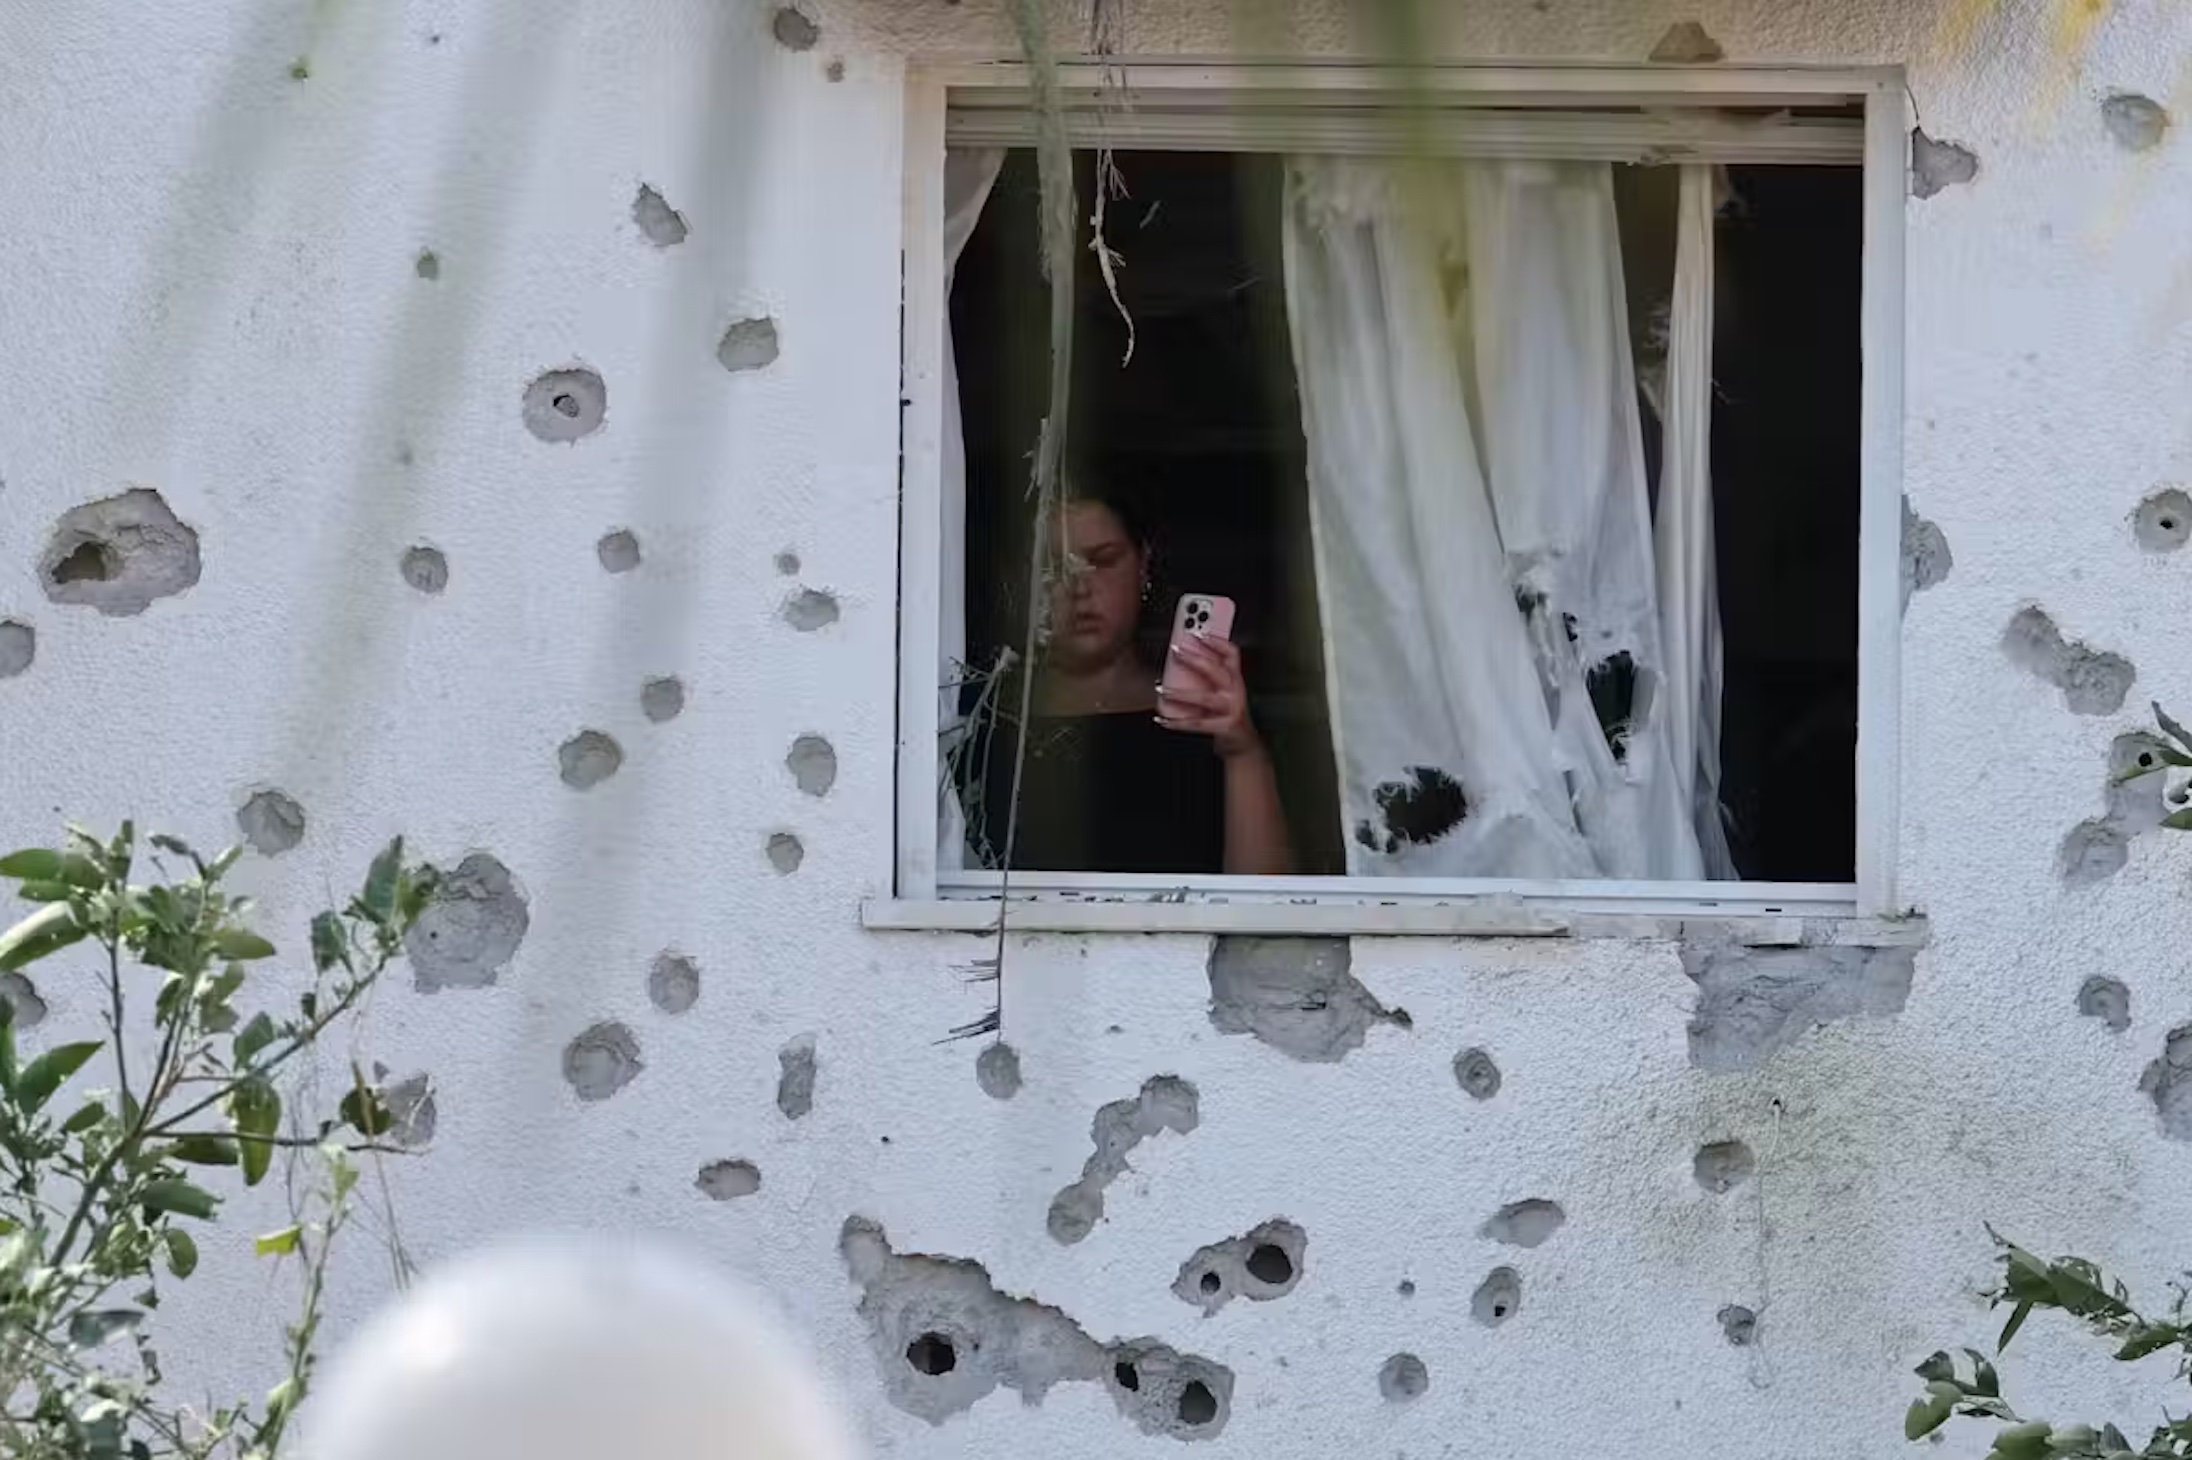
(1184, 104)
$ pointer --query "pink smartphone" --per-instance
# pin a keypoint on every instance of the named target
(1206, 614)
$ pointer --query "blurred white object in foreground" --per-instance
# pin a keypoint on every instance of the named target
(574, 1350)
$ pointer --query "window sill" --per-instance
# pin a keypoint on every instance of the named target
(1740, 920)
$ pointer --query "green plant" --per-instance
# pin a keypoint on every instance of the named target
(2074, 1286)
(97, 1205)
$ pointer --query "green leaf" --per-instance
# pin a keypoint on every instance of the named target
(173, 844)
(2179, 820)
(92, 1112)
(255, 1036)
(97, 1327)
(7, 1047)
(364, 1110)
(241, 945)
(200, 1149)
(329, 946)
(44, 892)
(80, 871)
(2146, 1340)
(182, 1252)
(46, 1074)
(256, 1108)
(279, 1244)
(1937, 1365)
(2022, 1442)
(1983, 1378)
(2016, 1321)
(381, 881)
(48, 930)
(1924, 1417)
(2170, 727)
(32, 864)
(180, 1197)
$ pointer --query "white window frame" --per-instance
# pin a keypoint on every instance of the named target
(1201, 105)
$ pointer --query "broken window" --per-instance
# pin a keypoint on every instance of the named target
(1533, 487)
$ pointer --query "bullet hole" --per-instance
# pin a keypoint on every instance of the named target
(1476, 1074)
(2093, 681)
(561, 406)
(2108, 1000)
(2138, 123)
(618, 551)
(1294, 994)
(787, 563)
(1211, 1282)
(785, 852)
(588, 758)
(2092, 852)
(1926, 558)
(271, 822)
(795, 1072)
(1414, 811)
(412, 1112)
(997, 1071)
(2163, 522)
(1739, 1325)
(1263, 1264)
(728, 1180)
(662, 700)
(1165, 1102)
(662, 225)
(1271, 1265)
(601, 1061)
(427, 265)
(470, 928)
(1498, 1298)
(673, 983)
(809, 609)
(1407, 1288)
(424, 568)
(1754, 1002)
(1525, 1223)
(118, 554)
(749, 344)
(26, 1009)
(813, 764)
(1938, 166)
(18, 647)
(794, 30)
(835, 71)
(1687, 43)
(1403, 1378)
(919, 1307)
(1723, 1166)
(932, 1354)
(2168, 1082)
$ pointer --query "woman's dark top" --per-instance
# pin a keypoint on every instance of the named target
(1106, 793)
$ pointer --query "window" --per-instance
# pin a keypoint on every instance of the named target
(1543, 441)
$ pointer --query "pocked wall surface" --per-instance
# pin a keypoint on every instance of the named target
(480, 422)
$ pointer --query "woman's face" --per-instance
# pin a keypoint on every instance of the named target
(1096, 599)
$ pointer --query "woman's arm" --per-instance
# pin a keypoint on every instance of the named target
(1256, 843)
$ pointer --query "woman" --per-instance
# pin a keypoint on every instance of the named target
(1120, 776)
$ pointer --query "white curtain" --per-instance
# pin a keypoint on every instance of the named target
(969, 174)
(1484, 538)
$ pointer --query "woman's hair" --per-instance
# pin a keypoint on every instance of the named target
(1098, 492)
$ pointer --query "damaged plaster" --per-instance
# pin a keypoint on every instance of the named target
(471, 929)
(1166, 1102)
(728, 1180)
(1476, 1074)
(2168, 1083)
(944, 1338)
(1262, 1264)
(601, 1061)
(673, 983)
(2099, 847)
(1723, 1166)
(563, 406)
(618, 551)
(1739, 1325)
(1687, 43)
(2138, 123)
(2093, 681)
(18, 647)
(27, 1010)
(795, 1071)
(813, 764)
(794, 29)
(1402, 1378)
(271, 822)
(1926, 558)
(2163, 522)
(1498, 1298)
(749, 344)
(662, 700)
(1754, 1002)
(119, 554)
(412, 1111)
(659, 223)
(997, 1070)
(810, 609)
(1294, 994)
(424, 568)
(785, 852)
(1529, 1223)
(2108, 1000)
(1937, 166)
(588, 758)
(427, 265)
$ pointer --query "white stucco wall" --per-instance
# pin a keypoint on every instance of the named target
(207, 286)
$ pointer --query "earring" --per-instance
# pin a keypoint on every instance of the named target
(1147, 589)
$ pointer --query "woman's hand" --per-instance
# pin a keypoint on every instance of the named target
(1211, 698)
